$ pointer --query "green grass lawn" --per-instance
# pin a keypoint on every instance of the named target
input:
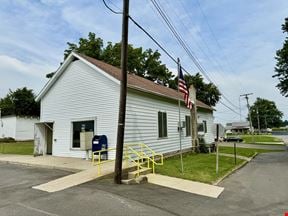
(260, 139)
(22, 148)
(243, 151)
(197, 167)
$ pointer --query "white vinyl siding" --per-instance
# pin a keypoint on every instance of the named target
(8, 127)
(80, 93)
(142, 122)
(19, 128)
(83, 93)
(208, 117)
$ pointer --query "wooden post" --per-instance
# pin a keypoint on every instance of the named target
(193, 113)
(123, 94)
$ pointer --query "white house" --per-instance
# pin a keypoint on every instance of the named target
(84, 95)
(18, 128)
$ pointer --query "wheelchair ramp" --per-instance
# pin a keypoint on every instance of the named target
(185, 185)
(76, 179)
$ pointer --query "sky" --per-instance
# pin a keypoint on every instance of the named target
(235, 41)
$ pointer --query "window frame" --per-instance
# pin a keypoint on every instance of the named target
(162, 125)
(205, 126)
(71, 130)
(188, 125)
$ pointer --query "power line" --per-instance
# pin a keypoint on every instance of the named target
(166, 52)
(184, 45)
(107, 6)
(214, 60)
(214, 36)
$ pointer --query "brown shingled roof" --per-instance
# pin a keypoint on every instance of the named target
(140, 83)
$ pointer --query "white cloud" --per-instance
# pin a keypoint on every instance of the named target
(9, 64)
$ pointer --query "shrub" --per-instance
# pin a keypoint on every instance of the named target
(7, 139)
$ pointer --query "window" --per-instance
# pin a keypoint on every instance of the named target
(188, 125)
(202, 127)
(78, 127)
(205, 126)
(162, 124)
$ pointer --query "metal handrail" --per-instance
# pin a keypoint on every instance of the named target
(128, 152)
(99, 158)
(143, 153)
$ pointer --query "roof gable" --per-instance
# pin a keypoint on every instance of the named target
(114, 73)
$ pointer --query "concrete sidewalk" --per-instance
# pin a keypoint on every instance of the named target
(47, 161)
(84, 169)
(77, 178)
(186, 185)
(86, 172)
(237, 156)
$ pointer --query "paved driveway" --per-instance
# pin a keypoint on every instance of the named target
(260, 188)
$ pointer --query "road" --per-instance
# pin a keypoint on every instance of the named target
(260, 188)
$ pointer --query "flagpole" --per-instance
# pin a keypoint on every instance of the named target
(179, 124)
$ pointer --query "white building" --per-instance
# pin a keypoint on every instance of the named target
(18, 128)
(84, 95)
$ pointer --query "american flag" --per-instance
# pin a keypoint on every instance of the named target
(183, 88)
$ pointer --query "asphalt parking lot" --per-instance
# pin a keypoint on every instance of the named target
(260, 188)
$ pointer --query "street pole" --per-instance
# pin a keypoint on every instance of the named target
(258, 121)
(217, 149)
(179, 124)
(240, 108)
(249, 113)
(123, 94)
(265, 122)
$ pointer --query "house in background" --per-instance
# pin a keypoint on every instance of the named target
(18, 128)
(238, 127)
(83, 95)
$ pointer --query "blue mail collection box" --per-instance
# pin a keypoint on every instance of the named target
(100, 142)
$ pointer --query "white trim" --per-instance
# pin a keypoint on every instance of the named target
(57, 74)
(62, 68)
(97, 69)
(79, 120)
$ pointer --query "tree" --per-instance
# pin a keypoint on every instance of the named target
(281, 68)
(142, 63)
(145, 63)
(205, 92)
(92, 46)
(20, 102)
(269, 115)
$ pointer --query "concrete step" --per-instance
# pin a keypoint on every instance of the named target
(142, 171)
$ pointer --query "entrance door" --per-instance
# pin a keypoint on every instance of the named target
(49, 138)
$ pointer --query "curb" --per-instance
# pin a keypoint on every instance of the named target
(233, 170)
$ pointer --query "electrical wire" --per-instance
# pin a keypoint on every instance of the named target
(185, 46)
(113, 11)
(182, 43)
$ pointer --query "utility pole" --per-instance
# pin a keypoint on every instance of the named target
(240, 108)
(265, 122)
(258, 120)
(249, 113)
(123, 94)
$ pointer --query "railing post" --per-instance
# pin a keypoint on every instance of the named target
(99, 163)
(153, 164)
(126, 156)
